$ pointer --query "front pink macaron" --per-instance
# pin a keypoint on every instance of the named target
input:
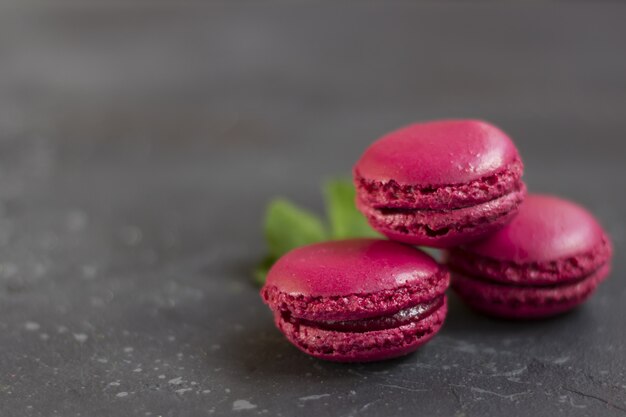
(440, 183)
(357, 300)
(548, 260)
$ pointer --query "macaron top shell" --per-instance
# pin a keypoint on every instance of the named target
(438, 153)
(355, 266)
(546, 228)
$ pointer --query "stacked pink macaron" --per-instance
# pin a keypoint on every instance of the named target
(452, 184)
(441, 183)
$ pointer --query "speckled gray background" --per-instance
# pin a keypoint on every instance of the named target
(140, 142)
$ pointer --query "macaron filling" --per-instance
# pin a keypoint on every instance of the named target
(527, 301)
(391, 194)
(436, 223)
(536, 273)
(406, 316)
(364, 346)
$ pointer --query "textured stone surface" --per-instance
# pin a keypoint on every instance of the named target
(140, 144)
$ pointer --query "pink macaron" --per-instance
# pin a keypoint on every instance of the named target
(440, 183)
(357, 300)
(548, 260)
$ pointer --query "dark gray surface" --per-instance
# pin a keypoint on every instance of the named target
(139, 145)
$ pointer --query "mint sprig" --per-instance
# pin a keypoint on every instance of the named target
(288, 226)
(344, 218)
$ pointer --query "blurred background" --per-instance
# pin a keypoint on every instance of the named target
(275, 89)
(140, 142)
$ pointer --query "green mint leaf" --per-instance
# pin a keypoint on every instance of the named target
(345, 220)
(437, 254)
(288, 226)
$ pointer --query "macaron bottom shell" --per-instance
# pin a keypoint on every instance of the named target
(526, 302)
(363, 346)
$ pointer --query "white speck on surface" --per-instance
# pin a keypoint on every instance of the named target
(478, 391)
(227, 390)
(44, 336)
(8, 269)
(97, 302)
(171, 338)
(206, 391)
(161, 377)
(39, 270)
(102, 360)
(31, 326)
(137, 370)
(176, 381)
(114, 383)
(561, 360)
(313, 397)
(568, 399)
(241, 405)
(49, 241)
(183, 390)
(89, 271)
(131, 235)
(463, 346)
(128, 349)
(76, 220)
(80, 337)
(508, 342)
(122, 394)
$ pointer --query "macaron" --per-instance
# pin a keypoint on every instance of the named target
(357, 300)
(548, 260)
(440, 183)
